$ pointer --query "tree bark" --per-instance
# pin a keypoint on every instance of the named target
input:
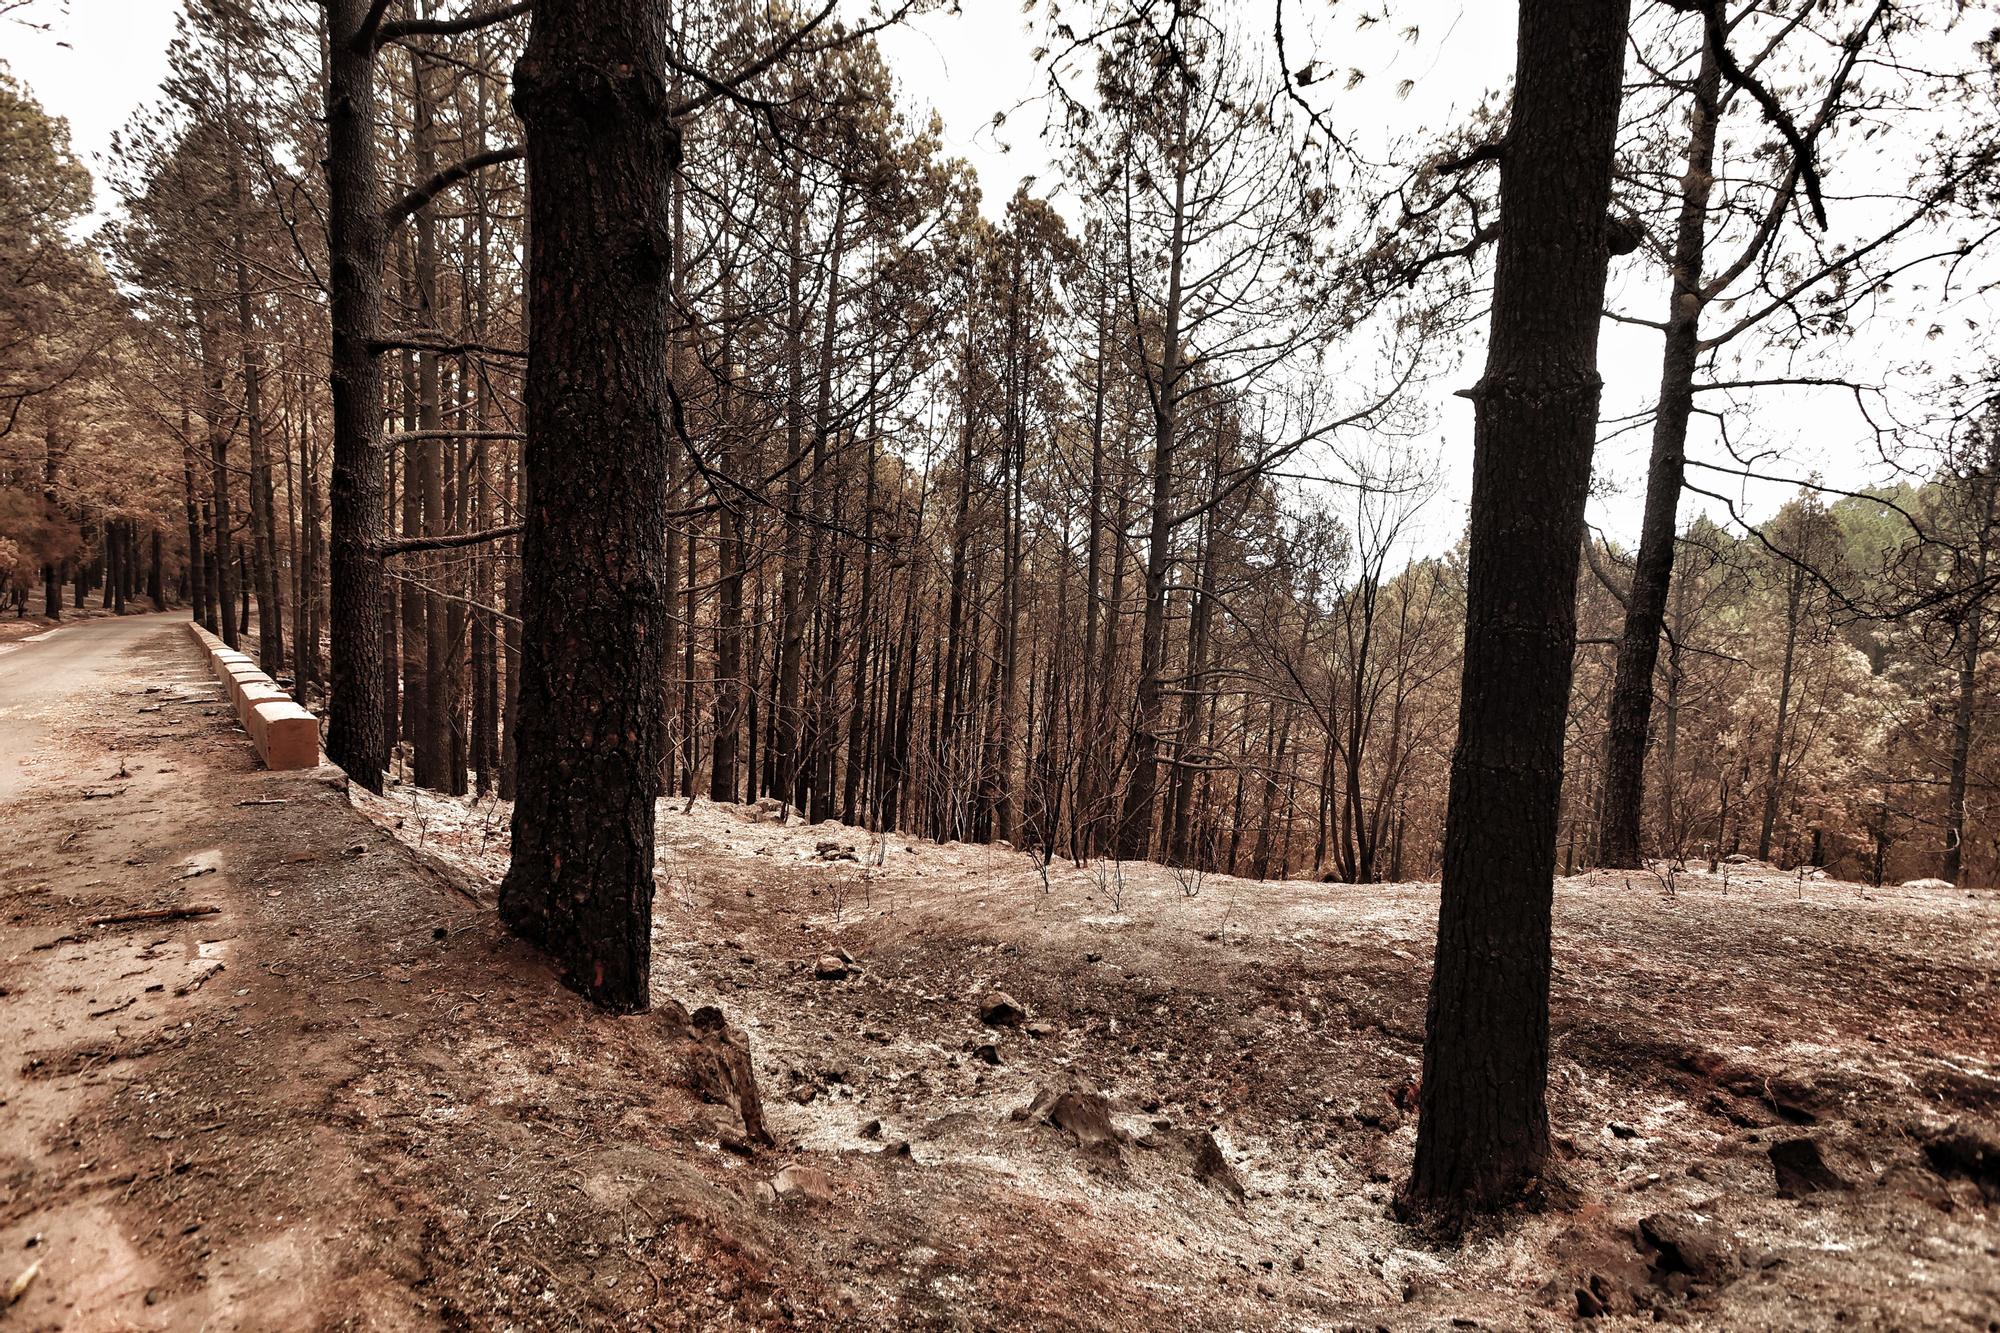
(601, 152)
(1483, 1129)
(1135, 822)
(1630, 710)
(357, 736)
(1972, 629)
(213, 409)
(197, 570)
(1795, 587)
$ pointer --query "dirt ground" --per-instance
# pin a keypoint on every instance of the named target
(345, 1099)
(14, 629)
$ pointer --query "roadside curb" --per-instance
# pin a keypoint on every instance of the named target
(286, 735)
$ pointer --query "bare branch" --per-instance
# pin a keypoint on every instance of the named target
(401, 211)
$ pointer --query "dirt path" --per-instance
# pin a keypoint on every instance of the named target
(345, 1100)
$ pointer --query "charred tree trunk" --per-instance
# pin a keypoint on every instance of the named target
(263, 525)
(436, 719)
(1971, 628)
(729, 665)
(357, 736)
(1483, 1128)
(191, 504)
(1630, 709)
(601, 152)
(156, 583)
(213, 410)
(1135, 821)
(1774, 767)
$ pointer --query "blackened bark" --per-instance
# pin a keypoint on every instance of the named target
(114, 566)
(1135, 820)
(600, 155)
(213, 411)
(357, 736)
(156, 584)
(1961, 739)
(1795, 591)
(729, 691)
(1483, 1129)
(1631, 707)
(263, 527)
(197, 572)
(435, 765)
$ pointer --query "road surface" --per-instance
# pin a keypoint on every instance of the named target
(40, 676)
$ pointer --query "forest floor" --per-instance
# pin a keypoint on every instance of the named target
(346, 1099)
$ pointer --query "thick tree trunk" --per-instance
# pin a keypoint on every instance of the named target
(1630, 710)
(1483, 1128)
(600, 154)
(357, 735)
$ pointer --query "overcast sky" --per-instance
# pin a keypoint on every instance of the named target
(101, 59)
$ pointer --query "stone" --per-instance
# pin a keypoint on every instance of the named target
(1684, 1244)
(1962, 1151)
(1212, 1168)
(1801, 1169)
(803, 1182)
(999, 1009)
(987, 1053)
(725, 1127)
(715, 1063)
(1919, 1183)
(1084, 1116)
(833, 968)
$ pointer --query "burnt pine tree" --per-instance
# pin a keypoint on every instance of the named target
(1483, 1129)
(1829, 278)
(357, 736)
(602, 148)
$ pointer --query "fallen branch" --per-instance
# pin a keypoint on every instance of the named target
(158, 914)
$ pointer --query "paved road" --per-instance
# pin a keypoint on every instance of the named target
(37, 676)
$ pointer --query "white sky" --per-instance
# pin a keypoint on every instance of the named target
(100, 59)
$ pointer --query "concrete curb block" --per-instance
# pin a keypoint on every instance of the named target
(286, 735)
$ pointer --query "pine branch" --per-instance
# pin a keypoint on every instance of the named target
(485, 18)
(400, 211)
